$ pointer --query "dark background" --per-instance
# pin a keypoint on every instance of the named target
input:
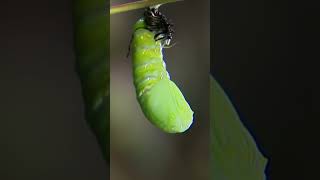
(264, 54)
(43, 132)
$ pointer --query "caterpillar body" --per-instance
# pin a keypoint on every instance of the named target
(160, 99)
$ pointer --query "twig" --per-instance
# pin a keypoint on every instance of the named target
(138, 5)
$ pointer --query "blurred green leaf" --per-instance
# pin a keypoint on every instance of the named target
(235, 155)
(91, 41)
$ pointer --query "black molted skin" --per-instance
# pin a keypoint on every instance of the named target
(157, 23)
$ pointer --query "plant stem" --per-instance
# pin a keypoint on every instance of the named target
(137, 5)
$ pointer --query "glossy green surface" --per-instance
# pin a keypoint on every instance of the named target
(160, 99)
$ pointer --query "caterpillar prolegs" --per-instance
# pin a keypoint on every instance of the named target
(160, 99)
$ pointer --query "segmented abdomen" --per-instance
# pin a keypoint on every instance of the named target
(160, 99)
(148, 64)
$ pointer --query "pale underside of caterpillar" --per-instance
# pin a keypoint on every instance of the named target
(160, 99)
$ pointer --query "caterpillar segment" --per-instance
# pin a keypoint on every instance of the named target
(160, 99)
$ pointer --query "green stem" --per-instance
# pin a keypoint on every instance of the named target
(137, 5)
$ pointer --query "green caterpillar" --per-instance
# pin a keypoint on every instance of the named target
(160, 99)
